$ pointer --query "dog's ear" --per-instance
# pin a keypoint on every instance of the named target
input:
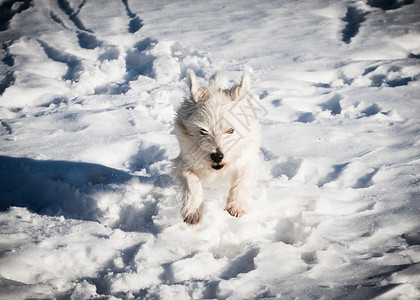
(239, 91)
(192, 82)
(198, 94)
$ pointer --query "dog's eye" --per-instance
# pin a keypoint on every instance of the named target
(230, 131)
(203, 132)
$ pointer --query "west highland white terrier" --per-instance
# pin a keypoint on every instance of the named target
(218, 135)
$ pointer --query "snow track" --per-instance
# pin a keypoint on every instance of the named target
(88, 91)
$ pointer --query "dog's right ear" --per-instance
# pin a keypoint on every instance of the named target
(192, 82)
(198, 94)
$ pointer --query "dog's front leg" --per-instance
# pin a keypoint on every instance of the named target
(236, 203)
(193, 205)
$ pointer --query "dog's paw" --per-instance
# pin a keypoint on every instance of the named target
(235, 209)
(192, 219)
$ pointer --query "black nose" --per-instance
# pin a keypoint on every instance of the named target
(217, 156)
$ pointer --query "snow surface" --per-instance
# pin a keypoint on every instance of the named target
(88, 92)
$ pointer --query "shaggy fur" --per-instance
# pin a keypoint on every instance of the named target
(218, 135)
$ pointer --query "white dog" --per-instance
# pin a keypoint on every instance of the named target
(218, 134)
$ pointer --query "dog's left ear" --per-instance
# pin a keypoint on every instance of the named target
(239, 91)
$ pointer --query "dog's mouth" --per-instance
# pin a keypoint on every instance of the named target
(217, 167)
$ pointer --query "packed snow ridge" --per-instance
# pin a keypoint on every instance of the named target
(88, 91)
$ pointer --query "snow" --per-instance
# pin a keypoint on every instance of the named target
(88, 93)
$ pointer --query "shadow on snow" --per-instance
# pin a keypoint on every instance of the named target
(72, 189)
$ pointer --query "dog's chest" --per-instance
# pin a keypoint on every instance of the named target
(216, 179)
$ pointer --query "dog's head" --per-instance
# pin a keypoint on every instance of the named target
(216, 124)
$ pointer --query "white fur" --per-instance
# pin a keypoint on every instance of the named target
(203, 126)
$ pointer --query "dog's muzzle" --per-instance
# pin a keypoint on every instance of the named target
(217, 167)
(217, 156)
